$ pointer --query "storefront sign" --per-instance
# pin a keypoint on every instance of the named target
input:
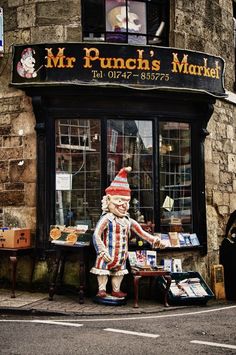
(144, 67)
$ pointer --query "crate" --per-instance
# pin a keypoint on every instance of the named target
(203, 295)
(15, 238)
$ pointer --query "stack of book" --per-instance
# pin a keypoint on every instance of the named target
(144, 259)
(176, 240)
(172, 264)
(190, 287)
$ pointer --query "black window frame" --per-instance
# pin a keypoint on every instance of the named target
(121, 104)
(97, 31)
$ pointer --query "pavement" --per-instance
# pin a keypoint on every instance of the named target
(37, 303)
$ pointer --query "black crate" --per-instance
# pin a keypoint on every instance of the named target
(187, 300)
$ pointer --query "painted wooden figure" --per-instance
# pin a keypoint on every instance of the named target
(111, 236)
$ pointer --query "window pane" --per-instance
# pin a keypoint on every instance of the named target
(125, 21)
(175, 175)
(78, 172)
(133, 148)
(158, 22)
(93, 19)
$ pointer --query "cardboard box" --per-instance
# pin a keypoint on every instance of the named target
(15, 238)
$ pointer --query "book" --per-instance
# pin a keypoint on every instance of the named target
(167, 263)
(174, 239)
(141, 256)
(152, 258)
(186, 237)
(177, 265)
(132, 258)
(194, 239)
(182, 241)
(166, 240)
(198, 289)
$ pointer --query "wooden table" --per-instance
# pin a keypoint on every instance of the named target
(13, 254)
(62, 253)
(137, 275)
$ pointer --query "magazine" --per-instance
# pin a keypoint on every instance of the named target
(177, 265)
(174, 239)
(166, 240)
(132, 258)
(141, 256)
(152, 258)
(167, 263)
(194, 239)
(182, 240)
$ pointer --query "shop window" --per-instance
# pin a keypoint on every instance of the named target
(175, 175)
(161, 181)
(78, 172)
(123, 21)
(134, 148)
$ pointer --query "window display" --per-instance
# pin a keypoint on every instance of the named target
(126, 21)
(175, 175)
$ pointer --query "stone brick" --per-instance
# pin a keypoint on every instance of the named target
(59, 13)
(48, 34)
(15, 3)
(24, 121)
(26, 16)
(30, 147)
(12, 198)
(231, 162)
(4, 171)
(212, 173)
(225, 178)
(73, 34)
(12, 141)
(22, 173)
(11, 153)
(220, 198)
(5, 130)
(30, 194)
(14, 186)
(10, 19)
(232, 202)
(5, 120)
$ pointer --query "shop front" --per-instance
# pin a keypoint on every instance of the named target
(101, 107)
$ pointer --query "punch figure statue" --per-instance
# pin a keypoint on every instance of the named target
(111, 236)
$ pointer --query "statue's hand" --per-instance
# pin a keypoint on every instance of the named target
(159, 244)
(105, 256)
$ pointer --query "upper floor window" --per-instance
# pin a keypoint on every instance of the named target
(123, 21)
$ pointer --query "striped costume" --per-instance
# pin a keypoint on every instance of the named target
(111, 237)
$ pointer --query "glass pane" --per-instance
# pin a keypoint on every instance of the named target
(133, 147)
(126, 21)
(175, 176)
(90, 24)
(78, 171)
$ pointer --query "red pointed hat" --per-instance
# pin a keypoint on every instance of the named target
(120, 185)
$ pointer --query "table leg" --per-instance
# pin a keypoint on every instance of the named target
(13, 260)
(166, 290)
(136, 289)
(52, 288)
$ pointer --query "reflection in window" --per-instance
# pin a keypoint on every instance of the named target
(134, 22)
(78, 177)
(175, 175)
(134, 148)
